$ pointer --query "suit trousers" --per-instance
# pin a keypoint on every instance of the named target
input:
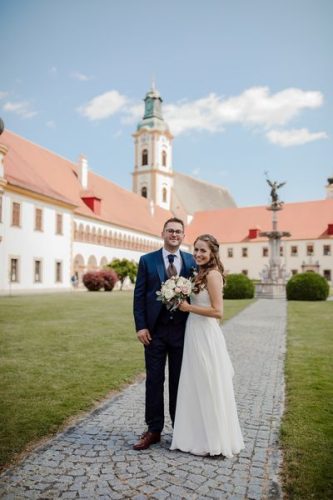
(167, 343)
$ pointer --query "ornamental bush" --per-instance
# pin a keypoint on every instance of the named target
(307, 286)
(110, 278)
(93, 280)
(238, 286)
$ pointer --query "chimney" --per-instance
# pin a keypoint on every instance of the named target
(3, 152)
(83, 171)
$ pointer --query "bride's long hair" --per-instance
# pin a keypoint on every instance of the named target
(214, 262)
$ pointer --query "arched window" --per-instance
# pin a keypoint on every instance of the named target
(145, 157)
(164, 194)
(144, 192)
(164, 158)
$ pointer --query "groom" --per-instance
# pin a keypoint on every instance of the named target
(159, 330)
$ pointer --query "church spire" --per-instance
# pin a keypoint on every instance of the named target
(153, 176)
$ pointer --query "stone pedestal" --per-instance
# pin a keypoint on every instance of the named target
(270, 291)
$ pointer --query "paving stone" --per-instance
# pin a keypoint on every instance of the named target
(94, 459)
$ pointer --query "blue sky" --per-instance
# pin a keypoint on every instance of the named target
(247, 86)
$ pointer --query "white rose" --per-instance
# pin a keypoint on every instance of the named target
(169, 293)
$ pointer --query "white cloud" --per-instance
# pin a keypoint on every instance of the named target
(196, 115)
(294, 137)
(21, 108)
(80, 76)
(103, 106)
(3, 94)
(134, 113)
(254, 107)
(50, 124)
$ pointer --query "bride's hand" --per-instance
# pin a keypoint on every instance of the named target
(184, 306)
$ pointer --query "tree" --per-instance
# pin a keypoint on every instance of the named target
(124, 268)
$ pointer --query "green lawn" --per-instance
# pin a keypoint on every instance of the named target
(307, 429)
(59, 354)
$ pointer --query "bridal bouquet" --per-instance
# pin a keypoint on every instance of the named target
(174, 291)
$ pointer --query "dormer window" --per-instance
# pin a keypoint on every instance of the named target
(253, 233)
(145, 157)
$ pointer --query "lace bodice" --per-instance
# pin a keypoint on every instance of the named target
(201, 299)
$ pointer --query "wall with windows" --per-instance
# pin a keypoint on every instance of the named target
(36, 244)
(250, 257)
(96, 244)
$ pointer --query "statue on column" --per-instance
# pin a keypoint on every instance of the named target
(274, 194)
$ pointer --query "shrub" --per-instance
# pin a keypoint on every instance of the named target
(307, 286)
(238, 286)
(124, 268)
(110, 278)
(93, 280)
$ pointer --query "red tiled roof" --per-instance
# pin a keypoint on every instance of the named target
(32, 167)
(304, 220)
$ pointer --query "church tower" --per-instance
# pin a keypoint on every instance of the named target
(153, 176)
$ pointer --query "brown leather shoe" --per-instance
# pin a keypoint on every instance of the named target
(146, 440)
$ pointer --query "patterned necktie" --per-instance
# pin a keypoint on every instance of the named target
(171, 269)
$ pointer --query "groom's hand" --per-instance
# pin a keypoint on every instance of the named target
(144, 336)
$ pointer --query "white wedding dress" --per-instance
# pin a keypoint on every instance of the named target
(206, 415)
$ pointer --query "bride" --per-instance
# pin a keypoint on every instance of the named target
(206, 421)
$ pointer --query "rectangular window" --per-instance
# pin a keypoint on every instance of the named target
(327, 274)
(38, 271)
(38, 219)
(265, 252)
(14, 270)
(244, 252)
(309, 250)
(16, 214)
(0, 208)
(294, 251)
(281, 251)
(294, 271)
(327, 250)
(230, 252)
(58, 223)
(58, 276)
(245, 272)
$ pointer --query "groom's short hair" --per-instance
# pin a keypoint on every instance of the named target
(174, 219)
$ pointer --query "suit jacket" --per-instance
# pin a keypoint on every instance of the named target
(151, 274)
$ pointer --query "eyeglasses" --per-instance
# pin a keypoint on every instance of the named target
(174, 231)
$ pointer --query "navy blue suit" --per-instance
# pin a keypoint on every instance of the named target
(167, 332)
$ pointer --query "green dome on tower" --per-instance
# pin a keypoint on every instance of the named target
(153, 118)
